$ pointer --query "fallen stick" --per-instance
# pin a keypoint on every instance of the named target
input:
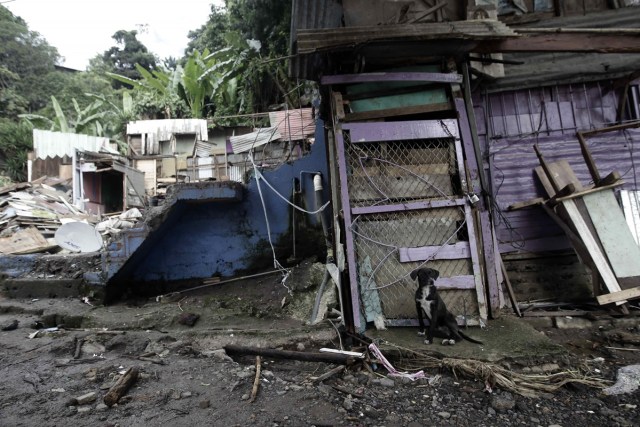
(329, 374)
(120, 387)
(623, 349)
(339, 359)
(256, 381)
(79, 342)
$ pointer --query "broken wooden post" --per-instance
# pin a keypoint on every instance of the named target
(120, 387)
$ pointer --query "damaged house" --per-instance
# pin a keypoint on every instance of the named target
(489, 140)
(437, 110)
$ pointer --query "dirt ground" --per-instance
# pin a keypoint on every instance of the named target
(60, 377)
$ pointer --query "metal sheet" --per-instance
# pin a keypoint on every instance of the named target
(244, 143)
(52, 144)
(293, 125)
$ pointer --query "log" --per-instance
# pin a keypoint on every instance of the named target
(120, 387)
(339, 359)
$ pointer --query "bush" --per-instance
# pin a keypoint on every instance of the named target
(16, 141)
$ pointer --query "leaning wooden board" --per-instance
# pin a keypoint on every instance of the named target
(562, 174)
(615, 236)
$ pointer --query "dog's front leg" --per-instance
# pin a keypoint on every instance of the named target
(430, 331)
(420, 319)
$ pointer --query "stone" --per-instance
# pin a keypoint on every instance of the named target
(219, 354)
(10, 326)
(347, 404)
(86, 398)
(245, 396)
(101, 407)
(445, 415)
(628, 381)
(185, 394)
(572, 323)
(384, 382)
(502, 403)
(300, 347)
(84, 409)
(188, 319)
(204, 404)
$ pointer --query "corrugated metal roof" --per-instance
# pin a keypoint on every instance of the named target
(203, 149)
(244, 143)
(52, 144)
(293, 124)
(545, 69)
(164, 129)
(308, 14)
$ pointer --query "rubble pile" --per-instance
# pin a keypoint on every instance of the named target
(31, 213)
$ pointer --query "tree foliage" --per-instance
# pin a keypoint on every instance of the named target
(15, 142)
(129, 51)
(25, 59)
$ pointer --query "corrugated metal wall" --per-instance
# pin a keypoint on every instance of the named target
(59, 144)
(510, 123)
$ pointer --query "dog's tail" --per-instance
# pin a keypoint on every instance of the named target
(469, 338)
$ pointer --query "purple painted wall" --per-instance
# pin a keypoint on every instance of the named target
(510, 123)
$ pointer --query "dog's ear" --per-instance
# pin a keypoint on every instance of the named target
(414, 274)
(434, 273)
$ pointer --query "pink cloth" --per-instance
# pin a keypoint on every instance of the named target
(392, 371)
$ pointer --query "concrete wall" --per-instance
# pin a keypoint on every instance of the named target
(200, 240)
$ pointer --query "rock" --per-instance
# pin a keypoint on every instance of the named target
(219, 354)
(491, 411)
(10, 326)
(555, 425)
(445, 415)
(384, 382)
(502, 403)
(188, 319)
(185, 394)
(101, 407)
(84, 409)
(546, 367)
(300, 347)
(245, 396)
(347, 404)
(572, 323)
(628, 381)
(204, 404)
(371, 412)
(86, 398)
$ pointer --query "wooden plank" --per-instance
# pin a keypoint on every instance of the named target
(616, 239)
(24, 241)
(395, 112)
(458, 250)
(631, 206)
(589, 241)
(563, 42)
(627, 294)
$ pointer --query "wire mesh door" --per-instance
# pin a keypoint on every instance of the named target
(405, 195)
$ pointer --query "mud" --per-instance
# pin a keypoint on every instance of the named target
(187, 380)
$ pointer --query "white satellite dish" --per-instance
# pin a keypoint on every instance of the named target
(78, 237)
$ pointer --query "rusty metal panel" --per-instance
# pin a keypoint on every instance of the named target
(293, 124)
(244, 143)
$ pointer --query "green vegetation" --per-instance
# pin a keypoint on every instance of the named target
(234, 65)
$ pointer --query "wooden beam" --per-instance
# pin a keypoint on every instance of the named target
(564, 42)
(619, 296)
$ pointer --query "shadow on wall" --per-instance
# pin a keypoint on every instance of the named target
(205, 239)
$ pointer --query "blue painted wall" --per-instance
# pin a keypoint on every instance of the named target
(199, 240)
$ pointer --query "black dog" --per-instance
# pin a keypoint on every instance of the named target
(429, 304)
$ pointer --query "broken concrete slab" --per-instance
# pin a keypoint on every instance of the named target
(628, 381)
